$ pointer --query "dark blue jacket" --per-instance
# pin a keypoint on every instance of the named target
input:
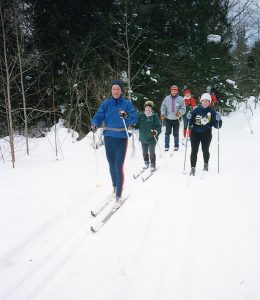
(108, 113)
(203, 119)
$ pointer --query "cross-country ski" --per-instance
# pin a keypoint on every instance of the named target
(102, 222)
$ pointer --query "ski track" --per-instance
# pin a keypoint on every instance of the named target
(34, 279)
(177, 234)
(43, 266)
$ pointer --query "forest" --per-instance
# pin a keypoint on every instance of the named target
(58, 57)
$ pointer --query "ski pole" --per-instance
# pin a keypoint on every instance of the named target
(128, 136)
(162, 153)
(96, 159)
(157, 143)
(186, 144)
(218, 147)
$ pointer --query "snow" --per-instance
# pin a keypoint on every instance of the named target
(176, 237)
(214, 38)
(231, 82)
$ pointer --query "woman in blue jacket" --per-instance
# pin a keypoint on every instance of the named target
(113, 112)
(202, 118)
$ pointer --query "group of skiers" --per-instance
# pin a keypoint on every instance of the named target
(118, 114)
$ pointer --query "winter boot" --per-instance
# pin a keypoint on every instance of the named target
(118, 202)
(206, 167)
(192, 172)
(153, 167)
(146, 165)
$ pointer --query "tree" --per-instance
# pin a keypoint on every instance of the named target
(7, 68)
(254, 66)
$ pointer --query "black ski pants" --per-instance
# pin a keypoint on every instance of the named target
(196, 138)
(149, 148)
(172, 126)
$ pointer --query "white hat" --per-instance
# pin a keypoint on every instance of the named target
(205, 96)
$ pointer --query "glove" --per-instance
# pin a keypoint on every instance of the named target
(218, 116)
(162, 117)
(154, 132)
(188, 115)
(123, 114)
(131, 126)
(178, 114)
(93, 128)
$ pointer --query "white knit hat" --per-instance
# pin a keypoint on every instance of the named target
(205, 96)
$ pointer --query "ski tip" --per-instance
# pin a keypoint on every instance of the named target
(92, 214)
(92, 229)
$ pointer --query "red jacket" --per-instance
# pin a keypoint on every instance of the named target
(190, 103)
(213, 100)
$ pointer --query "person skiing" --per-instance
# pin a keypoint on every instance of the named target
(202, 118)
(149, 126)
(118, 114)
(172, 109)
(190, 104)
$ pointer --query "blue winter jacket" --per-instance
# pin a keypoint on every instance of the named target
(203, 119)
(108, 113)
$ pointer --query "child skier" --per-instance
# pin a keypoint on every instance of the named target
(149, 126)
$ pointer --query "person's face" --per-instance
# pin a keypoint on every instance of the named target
(188, 95)
(204, 103)
(174, 92)
(116, 91)
(148, 110)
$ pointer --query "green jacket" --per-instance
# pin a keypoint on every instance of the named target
(145, 124)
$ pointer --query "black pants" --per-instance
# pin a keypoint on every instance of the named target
(196, 138)
(151, 149)
(172, 126)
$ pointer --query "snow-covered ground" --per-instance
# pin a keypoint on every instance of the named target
(176, 237)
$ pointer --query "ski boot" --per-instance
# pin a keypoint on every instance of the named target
(192, 172)
(118, 202)
(146, 165)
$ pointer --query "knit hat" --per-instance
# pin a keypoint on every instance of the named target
(174, 87)
(148, 103)
(205, 96)
(118, 82)
(186, 92)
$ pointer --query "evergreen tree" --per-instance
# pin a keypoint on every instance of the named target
(254, 66)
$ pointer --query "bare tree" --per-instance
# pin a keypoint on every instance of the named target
(19, 44)
(8, 67)
(129, 39)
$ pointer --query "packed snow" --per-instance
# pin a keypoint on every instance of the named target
(176, 237)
